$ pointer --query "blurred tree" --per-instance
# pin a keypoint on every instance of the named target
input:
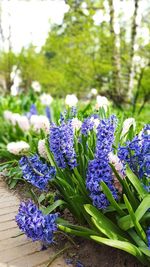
(115, 41)
(132, 50)
(81, 57)
(7, 61)
(7, 57)
(31, 65)
(95, 46)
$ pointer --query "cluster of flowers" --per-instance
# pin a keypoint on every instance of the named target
(18, 148)
(137, 154)
(101, 101)
(62, 145)
(16, 118)
(34, 224)
(31, 120)
(36, 172)
(99, 169)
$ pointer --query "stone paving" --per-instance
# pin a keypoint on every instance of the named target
(18, 251)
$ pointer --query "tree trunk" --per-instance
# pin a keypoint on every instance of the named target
(116, 79)
(130, 78)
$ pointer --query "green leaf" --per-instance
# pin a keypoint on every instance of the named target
(123, 245)
(125, 222)
(126, 188)
(137, 238)
(13, 183)
(137, 225)
(54, 206)
(41, 198)
(136, 182)
(112, 208)
(146, 251)
(104, 225)
(111, 199)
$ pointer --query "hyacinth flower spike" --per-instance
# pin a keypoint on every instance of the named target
(62, 145)
(35, 224)
(99, 169)
(36, 172)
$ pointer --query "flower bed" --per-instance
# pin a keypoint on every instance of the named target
(97, 167)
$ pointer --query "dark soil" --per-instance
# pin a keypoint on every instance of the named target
(96, 255)
(91, 254)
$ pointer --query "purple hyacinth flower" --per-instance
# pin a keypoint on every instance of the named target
(34, 224)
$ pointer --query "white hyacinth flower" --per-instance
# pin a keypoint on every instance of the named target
(102, 102)
(7, 115)
(76, 123)
(71, 100)
(39, 122)
(36, 86)
(14, 90)
(18, 148)
(23, 123)
(94, 91)
(126, 126)
(42, 149)
(46, 99)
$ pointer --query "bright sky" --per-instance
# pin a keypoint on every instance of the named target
(30, 20)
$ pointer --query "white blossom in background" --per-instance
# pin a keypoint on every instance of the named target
(94, 91)
(76, 124)
(14, 118)
(16, 78)
(46, 99)
(113, 159)
(14, 90)
(126, 126)
(42, 149)
(39, 122)
(18, 148)
(102, 102)
(71, 100)
(23, 123)
(36, 86)
(7, 115)
(13, 72)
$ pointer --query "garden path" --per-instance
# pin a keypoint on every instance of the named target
(18, 251)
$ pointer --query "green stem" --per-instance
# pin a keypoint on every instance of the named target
(56, 255)
(74, 232)
(7, 162)
(68, 237)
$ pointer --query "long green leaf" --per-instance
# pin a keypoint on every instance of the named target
(126, 246)
(55, 205)
(125, 222)
(136, 182)
(137, 225)
(111, 199)
(105, 225)
(126, 188)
